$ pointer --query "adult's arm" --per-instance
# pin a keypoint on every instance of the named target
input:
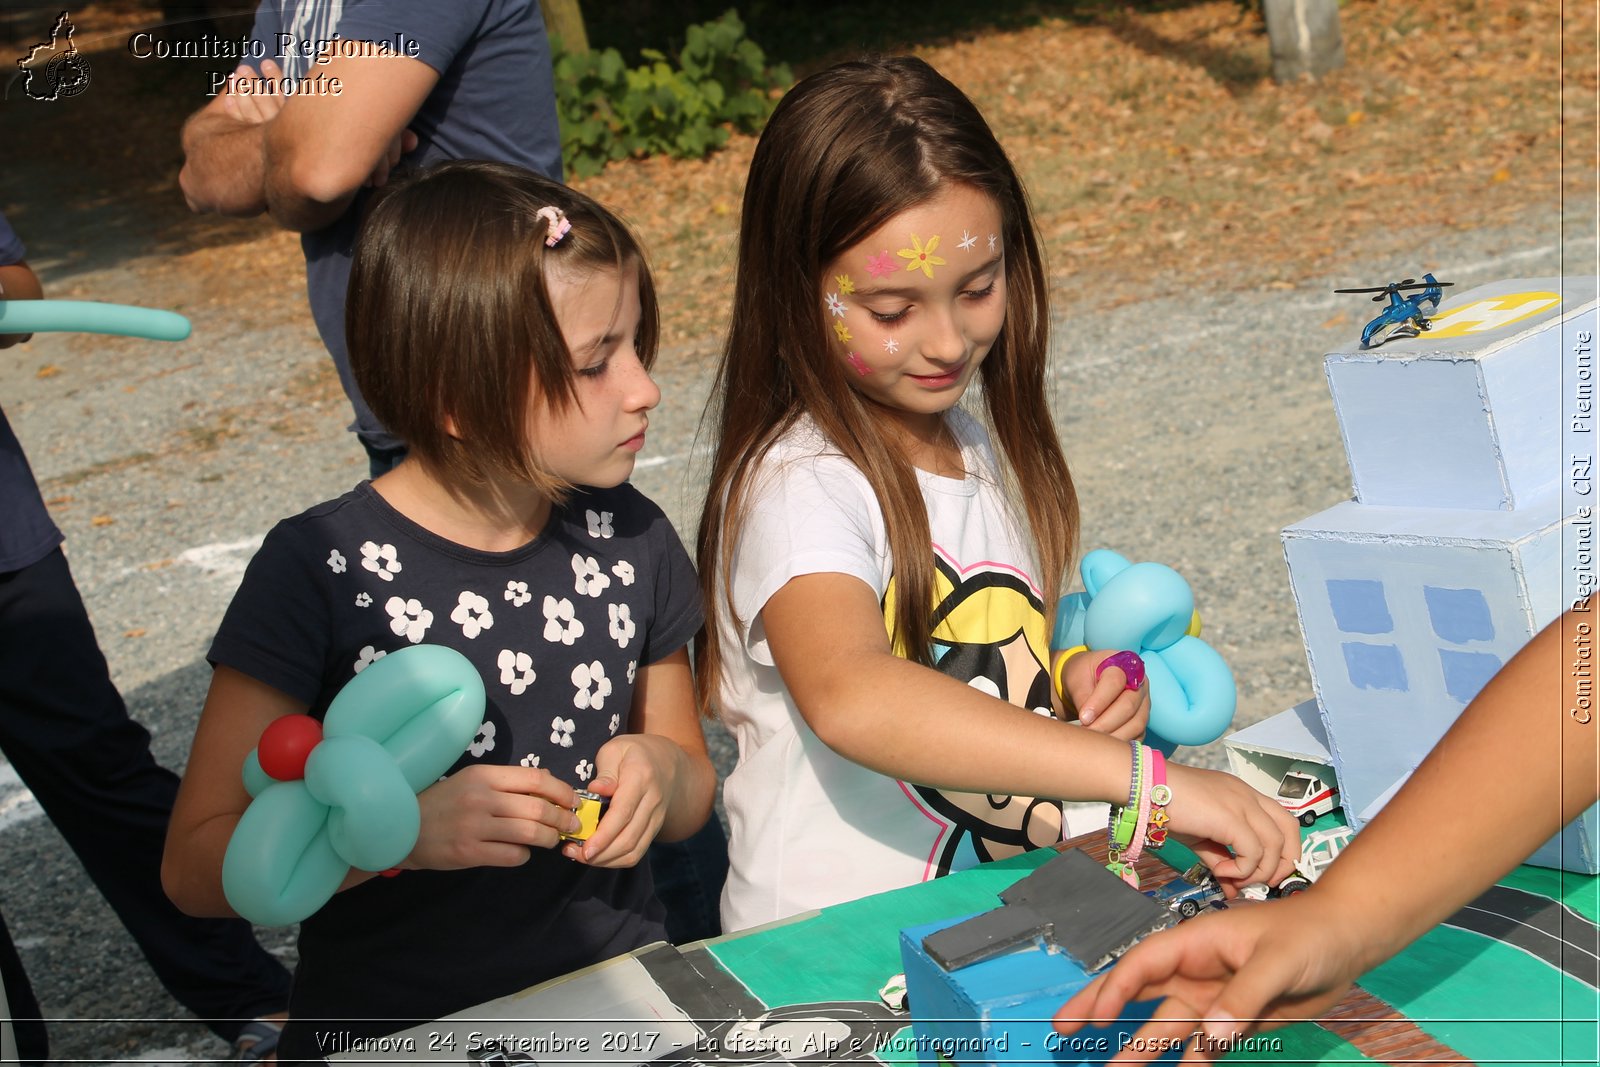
(222, 146)
(324, 146)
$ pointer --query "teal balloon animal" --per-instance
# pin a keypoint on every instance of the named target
(1148, 608)
(344, 794)
(90, 316)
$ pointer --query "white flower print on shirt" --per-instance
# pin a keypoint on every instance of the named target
(599, 523)
(624, 571)
(336, 561)
(616, 721)
(584, 770)
(561, 731)
(622, 627)
(516, 671)
(381, 560)
(592, 685)
(590, 580)
(560, 621)
(484, 742)
(472, 613)
(363, 600)
(633, 669)
(368, 656)
(530, 760)
(517, 593)
(408, 618)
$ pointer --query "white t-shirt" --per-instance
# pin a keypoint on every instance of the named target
(809, 827)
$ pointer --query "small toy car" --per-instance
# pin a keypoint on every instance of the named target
(591, 806)
(1188, 894)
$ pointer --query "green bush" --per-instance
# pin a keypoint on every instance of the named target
(608, 111)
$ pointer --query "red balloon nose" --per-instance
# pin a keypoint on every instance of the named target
(285, 745)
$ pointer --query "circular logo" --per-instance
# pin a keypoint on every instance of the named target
(66, 75)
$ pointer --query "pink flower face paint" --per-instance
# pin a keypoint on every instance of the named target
(859, 364)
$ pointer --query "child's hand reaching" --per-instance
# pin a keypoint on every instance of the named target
(1106, 704)
(1215, 812)
(1247, 968)
(491, 816)
(638, 772)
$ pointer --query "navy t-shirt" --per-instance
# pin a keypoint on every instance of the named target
(27, 533)
(495, 100)
(558, 629)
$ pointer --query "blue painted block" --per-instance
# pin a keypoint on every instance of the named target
(1375, 666)
(1464, 589)
(1466, 672)
(1359, 606)
(1462, 416)
(1459, 615)
(999, 1010)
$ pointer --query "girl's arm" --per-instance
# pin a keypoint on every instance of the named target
(896, 717)
(1518, 765)
(480, 816)
(658, 775)
(212, 797)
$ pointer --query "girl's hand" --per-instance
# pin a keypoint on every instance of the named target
(639, 773)
(1214, 812)
(1251, 967)
(491, 816)
(1107, 705)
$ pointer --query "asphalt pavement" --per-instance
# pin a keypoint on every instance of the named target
(1197, 422)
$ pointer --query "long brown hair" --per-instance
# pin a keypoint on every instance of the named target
(846, 150)
(449, 315)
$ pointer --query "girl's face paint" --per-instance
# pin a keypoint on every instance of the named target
(915, 335)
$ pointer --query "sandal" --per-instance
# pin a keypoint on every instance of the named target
(258, 1041)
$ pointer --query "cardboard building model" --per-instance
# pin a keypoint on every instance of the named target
(1468, 484)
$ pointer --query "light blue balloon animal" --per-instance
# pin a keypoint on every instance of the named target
(1148, 608)
(389, 733)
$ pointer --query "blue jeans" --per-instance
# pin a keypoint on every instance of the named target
(689, 876)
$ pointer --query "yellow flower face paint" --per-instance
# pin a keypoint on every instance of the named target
(920, 258)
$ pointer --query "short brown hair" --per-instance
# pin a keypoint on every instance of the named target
(448, 315)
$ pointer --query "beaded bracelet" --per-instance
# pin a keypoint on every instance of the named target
(1160, 795)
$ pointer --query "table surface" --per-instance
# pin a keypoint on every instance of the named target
(1510, 979)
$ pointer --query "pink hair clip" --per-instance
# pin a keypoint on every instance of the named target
(559, 226)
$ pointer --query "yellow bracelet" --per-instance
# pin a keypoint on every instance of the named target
(1061, 665)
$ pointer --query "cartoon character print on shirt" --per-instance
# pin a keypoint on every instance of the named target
(988, 631)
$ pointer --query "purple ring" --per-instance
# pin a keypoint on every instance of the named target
(1129, 662)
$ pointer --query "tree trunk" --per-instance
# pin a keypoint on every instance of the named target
(564, 19)
(1305, 37)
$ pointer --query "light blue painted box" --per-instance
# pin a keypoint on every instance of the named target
(1462, 415)
(999, 1010)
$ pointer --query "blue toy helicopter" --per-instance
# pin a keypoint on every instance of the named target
(1405, 315)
